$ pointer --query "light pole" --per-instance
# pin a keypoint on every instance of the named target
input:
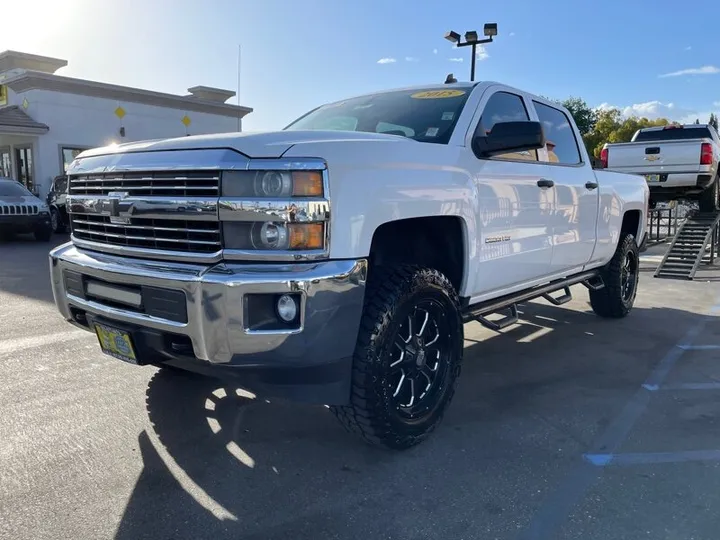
(471, 40)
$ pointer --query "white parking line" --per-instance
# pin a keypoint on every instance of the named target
(13, 345)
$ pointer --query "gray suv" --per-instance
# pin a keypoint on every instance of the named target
(22, 212)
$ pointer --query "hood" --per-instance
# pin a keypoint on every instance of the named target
(20, 200)
(272, 144)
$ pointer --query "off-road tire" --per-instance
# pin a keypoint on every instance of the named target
(610, 302)
(393, 293)
(708, 200)
(58, 226)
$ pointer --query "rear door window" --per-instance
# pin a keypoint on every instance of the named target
(562, 146)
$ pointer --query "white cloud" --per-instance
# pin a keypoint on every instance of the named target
(511, 34)
(705, 70)
(386, 61)
(481, 53)
(656, 109)
(434, 51)
(651, 109)
(455, 59)
(411, 59)
(716, 104)
(688, 48)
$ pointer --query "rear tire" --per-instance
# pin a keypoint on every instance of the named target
(708, 200)
(620, 276)
(407, 358)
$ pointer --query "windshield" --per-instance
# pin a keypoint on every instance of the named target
(423, 115)
(674, 134)
(13, 189)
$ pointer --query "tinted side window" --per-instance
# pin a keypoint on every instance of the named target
(61, 185)
(505, 107)
(562, 146)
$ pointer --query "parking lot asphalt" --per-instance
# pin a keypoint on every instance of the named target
(563, 427)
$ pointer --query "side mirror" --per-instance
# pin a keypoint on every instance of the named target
(507, 137)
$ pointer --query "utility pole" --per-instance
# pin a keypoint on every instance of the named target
(238, 88)
(471, 40)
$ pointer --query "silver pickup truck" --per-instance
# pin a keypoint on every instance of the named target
(678, 162)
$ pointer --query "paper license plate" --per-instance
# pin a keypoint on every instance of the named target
(652, 177)
(116, 343)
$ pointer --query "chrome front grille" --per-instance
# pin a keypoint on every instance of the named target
(158, 214)
(157, 234)
(161, 184)
(18, 210)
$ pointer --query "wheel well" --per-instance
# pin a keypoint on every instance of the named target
(436, 242)
(631, 223)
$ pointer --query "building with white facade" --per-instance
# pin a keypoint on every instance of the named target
(47, 119)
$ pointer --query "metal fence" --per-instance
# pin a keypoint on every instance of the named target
(663, 223)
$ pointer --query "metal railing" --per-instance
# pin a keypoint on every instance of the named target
(709, 257)
(663, 223)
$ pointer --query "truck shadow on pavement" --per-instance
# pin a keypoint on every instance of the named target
(24, 266)
(529, 402)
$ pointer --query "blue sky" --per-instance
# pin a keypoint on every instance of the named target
(297, 54)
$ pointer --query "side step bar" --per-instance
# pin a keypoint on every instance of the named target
(478, 312)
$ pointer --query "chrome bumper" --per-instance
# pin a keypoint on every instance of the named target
(331, 293)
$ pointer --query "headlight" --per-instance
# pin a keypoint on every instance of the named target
(273, 235)
(272, 184)
(269, 235)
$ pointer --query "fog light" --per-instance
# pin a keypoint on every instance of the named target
(287, 308)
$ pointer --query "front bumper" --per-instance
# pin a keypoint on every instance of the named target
(310, 362)
(25, 223)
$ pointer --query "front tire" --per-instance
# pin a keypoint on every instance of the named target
(621, 276)
(56, 221)
(407, 358)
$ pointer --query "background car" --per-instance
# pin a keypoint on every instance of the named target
(56, 201)
(22, 212)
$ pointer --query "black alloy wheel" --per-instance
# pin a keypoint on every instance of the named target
(419, 360)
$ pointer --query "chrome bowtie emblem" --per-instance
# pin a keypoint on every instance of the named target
(111, 207)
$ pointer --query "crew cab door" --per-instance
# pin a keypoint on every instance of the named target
(577, 193)
(514, 210)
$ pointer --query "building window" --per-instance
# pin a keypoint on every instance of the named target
(68, 155)
(24, 164)
(5, 163)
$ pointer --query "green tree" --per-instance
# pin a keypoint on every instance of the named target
(585, 117)
(697, 121)
(600, 126)
(713, 121)
(611, 127)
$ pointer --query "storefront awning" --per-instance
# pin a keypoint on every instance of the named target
(13, 120)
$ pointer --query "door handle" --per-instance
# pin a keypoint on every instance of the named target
(591, 185)
(545, 182)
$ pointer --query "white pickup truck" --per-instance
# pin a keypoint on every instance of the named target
(336, 261)
(679, 162)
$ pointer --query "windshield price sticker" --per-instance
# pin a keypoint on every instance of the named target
(437, 94)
